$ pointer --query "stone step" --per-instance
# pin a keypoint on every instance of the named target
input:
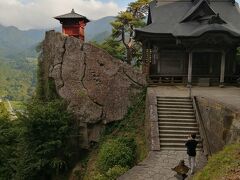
(176, 140)
(175, 109)
(177, 149)
(175, 113)
(176, 120)
(178, 131)
(176, 116)
(174, 103)
(169, 97)
(184, 124)
(170, 144)
(175, 100)
(178, 128)
(175, 106)
(177, 136)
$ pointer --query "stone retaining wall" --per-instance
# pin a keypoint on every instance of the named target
(222, 123)
(151, 122)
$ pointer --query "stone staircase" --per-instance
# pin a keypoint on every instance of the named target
(177, 120)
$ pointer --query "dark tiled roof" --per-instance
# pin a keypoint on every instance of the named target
(196, 7)
(167, 17)
(71, 15)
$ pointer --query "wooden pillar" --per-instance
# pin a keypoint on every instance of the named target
(148, 58)
(190, 68)
(223, 63)
(144, 59)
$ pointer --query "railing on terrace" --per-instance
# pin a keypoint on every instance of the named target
(182, 79)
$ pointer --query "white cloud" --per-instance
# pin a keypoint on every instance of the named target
(40, 13)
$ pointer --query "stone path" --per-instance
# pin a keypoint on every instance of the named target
(158, 166)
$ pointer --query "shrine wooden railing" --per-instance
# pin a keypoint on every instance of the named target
(202, 129)
(182, 79)
(171, 79)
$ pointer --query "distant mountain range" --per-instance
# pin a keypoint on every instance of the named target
(99, 30)
(18, 58)
(15, 42)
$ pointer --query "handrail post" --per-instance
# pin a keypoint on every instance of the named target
(202, 128)
(190, 90)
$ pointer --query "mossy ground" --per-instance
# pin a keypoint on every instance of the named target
(222, 165)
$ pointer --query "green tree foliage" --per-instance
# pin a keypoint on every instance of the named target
(8, 142)
(41, 144)
(126, 22)
(46, 140)
(113, 47)
(117, 152)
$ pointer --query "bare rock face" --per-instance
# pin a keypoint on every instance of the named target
(98, 87)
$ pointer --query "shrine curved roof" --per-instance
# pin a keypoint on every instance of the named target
(72, 15)
(178, 18)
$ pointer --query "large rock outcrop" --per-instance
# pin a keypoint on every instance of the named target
(98, 87)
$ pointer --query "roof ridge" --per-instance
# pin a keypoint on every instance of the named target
(70, 15)
(187, 16)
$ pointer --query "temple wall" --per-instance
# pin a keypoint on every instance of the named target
(169, 62)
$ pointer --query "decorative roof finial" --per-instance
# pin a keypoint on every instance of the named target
(72, 11)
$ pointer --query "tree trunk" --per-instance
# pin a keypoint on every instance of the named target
(129, 55)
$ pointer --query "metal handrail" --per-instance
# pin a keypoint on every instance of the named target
(205, 141)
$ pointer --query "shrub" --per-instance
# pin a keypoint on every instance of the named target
(46, 147)
(3, 111)
(112, 173)
(99, 176)
(115, 172)
(120, 151)
(8, 142)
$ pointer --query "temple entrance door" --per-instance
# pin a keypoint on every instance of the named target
(206, 67)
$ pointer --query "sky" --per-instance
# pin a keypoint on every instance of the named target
(38, 14)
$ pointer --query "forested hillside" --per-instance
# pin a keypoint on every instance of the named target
(15, 43)
(18, 60)
(17, 78)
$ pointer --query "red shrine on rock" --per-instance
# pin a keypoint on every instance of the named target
(73, 24)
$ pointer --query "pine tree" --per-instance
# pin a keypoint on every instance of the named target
(126, 22)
